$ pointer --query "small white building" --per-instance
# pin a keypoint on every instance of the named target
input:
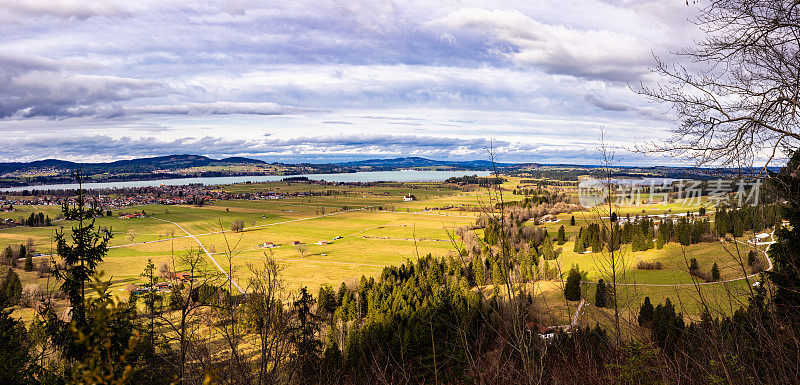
(409, 198)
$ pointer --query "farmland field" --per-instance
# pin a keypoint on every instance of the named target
(356, 231)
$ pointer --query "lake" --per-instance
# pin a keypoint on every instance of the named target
(364, 176)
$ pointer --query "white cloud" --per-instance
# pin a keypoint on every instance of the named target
(215, 108)
(534, 73)
(78, 9)
(557, 48)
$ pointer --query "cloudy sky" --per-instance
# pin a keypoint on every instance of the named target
(333, 80)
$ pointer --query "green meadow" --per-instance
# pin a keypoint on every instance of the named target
(357, 231)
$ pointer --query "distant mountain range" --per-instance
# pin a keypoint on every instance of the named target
(421, 162)
(53, 171)
(160, 162)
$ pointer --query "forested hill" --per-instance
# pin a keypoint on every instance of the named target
(169, 162)
(417, 162)
(53, 171)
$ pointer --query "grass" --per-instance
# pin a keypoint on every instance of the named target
(371, 240)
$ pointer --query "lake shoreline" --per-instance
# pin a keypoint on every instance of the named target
(345, 177)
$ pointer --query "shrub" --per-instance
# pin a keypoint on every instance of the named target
(757, 266)
(642, 265)
(751, 257)
(31, 294)
(701, 274)
(43, 268)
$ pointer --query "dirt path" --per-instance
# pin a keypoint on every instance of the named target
(207, 253)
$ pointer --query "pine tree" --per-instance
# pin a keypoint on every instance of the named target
(8, 256)
(667, 326)
(572, 221)
(721, 222)
(572, 288)
(648, 241)
(15, 363)
(21, 253)
(307, 347)
(10, 289)
(785, 274)
(715, 272)
(693, 265)
(738, 228)
(478, 271)
(580, 247)
(660, 238)
(175, 298)
(28, 262)
(80, 258)
(600, 294)
(562, 237)
(646, 313)
(547, 250)
(498, 275)
(637, 242)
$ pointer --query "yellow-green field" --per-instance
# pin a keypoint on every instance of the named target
(377, 229)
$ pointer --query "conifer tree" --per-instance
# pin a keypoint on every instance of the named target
(646, 313)
(8, 256)
(579, 247)
(693, 265)
(660, 238)
(562, 237)
(600, 294)
(28, 262)
(721, 221)
(715, 272)
(667, 326)
(87, 249)
(648, 240)
(303, 336)
(572, 288)
(547, 249)
(498, 275)
(785, 274)
(738, 228)
(10, 289)
(478, 271)
(572, 221)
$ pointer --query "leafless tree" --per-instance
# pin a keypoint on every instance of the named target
(302, 249)
(237, 226)
(182, 324)
(739, 98)
(165, 270)
(611, 262)
(268, 319)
